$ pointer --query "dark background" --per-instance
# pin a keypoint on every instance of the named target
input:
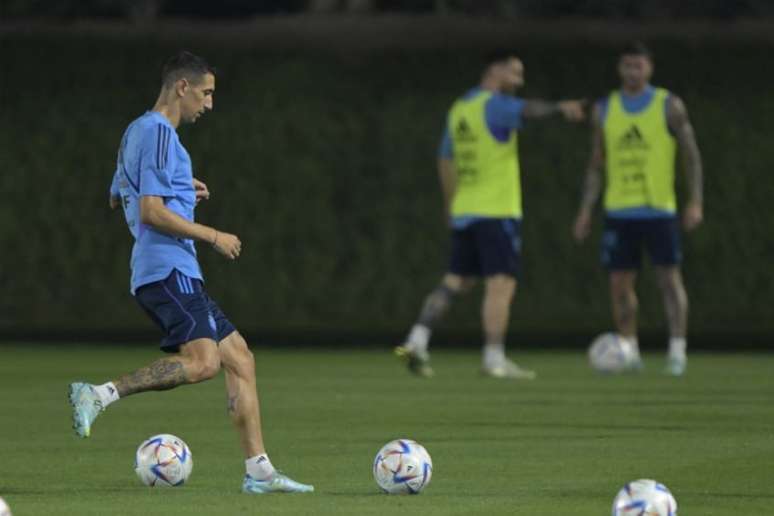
(320, 154)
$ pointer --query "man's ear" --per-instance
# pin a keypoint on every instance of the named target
(181, 86)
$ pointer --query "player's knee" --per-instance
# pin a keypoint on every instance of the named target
(456, 284)
(501, 286)
(236, 355)
(211, 367)
(245, 360)
(206, 367)
(621, 285)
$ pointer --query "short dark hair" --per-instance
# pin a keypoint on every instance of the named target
(499, 55)
(184, 65)
(636, 48)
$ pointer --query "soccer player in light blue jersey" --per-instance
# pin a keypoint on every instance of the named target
(154, 184)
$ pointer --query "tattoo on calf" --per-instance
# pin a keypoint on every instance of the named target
(161, 375)
(435, 305)
(232, 402)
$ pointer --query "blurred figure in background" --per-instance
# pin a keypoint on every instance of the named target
(478, 167)
(635, 135)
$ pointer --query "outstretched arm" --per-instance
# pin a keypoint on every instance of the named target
(592, 185)
(680, 124)
(572, 110)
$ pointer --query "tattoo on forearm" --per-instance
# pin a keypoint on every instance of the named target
(681, 125)
(165, 373)
(591, 188)
(693, 167)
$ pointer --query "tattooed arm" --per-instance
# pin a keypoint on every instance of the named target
(592, 185)
(680, 124)
(572, 110)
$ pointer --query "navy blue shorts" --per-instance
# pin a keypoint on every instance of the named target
(487, 247)
(623, 241)
(183, 310)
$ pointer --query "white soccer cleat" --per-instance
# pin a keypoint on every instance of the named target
(507, 370)
(276, 483)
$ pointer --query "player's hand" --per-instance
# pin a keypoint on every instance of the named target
(693, 215)
(202, 192)
(115, 202)
(582, 227)
(573, 110)
(227, 244)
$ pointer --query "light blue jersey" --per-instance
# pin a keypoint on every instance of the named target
(153, 162)
(503, 114)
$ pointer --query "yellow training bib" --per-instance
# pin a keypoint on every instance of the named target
(488, 181)
(640, 153)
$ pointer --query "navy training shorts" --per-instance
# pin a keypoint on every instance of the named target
(487, 247)
(623, 241)
(183, 311)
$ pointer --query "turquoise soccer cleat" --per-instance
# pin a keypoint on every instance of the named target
(86, 407)
(277, 483)
(675, 366)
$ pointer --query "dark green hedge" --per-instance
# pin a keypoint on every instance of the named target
(324, 165)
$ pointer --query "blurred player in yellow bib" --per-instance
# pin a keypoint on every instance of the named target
(478, 166)
(636, 133)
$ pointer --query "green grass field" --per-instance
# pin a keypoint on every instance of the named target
(562, 445)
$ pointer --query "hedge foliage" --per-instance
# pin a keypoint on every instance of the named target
(324, 165)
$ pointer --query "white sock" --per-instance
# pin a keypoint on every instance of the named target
(418, 338)
(107, 393)
(633, 343)
(259, 467)
(494, 354)
(677, 347)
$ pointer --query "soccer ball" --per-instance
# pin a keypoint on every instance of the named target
(644, 498)
(609, 353)
(4, 509)
(403, 466)
(163, 460)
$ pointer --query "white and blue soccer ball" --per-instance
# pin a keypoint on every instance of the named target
(403, 466)
(164, 460)
(644, 497)
(4, 509)
(609, 353)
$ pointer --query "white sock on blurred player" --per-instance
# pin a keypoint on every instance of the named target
(418, 338)
(107, 393)
(633, 344)
(494, 353)
(677, 347)
(259, 467)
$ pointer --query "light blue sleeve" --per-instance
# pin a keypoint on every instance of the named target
(505, 112)
(157, 161)
(445, 149)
